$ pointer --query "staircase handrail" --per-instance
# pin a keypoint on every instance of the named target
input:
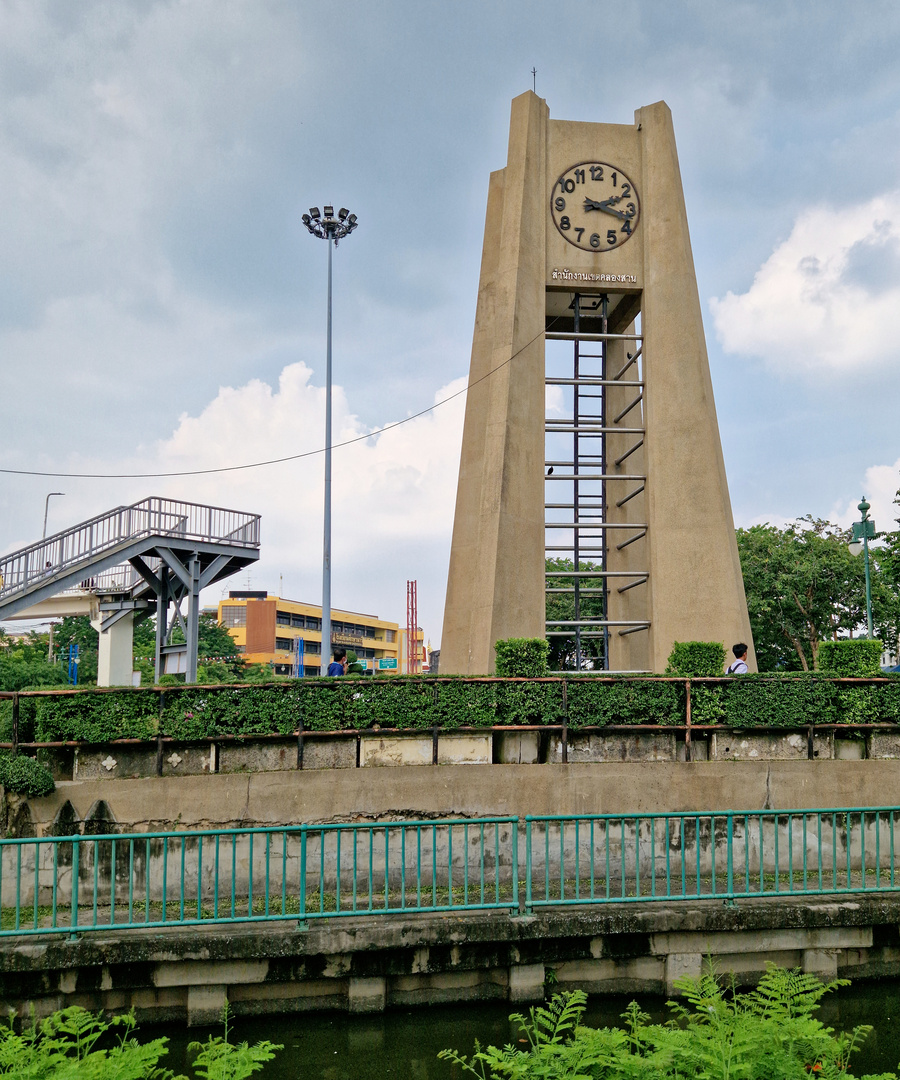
(154, 516)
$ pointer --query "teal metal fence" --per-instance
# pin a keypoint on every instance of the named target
(605, 858)
(73, 884)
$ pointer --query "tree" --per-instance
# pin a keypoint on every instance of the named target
(561, 607)
(77, 630)
(804, 586)
(24, 664)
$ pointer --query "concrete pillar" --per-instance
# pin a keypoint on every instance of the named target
(526, 982)
(115, 659)
(206, 1004)
(821, 962)
(367, 994)
(679, 965)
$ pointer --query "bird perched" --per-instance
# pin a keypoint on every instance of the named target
(550, 471)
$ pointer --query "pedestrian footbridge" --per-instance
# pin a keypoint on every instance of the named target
(127, 564)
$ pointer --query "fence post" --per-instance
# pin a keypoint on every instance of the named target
(302, 922)
(159, 737)
(687, 720)
(15, 724)
(729, 853)
(515, 868)
(810, 752)
(300, 743)
(76, 852)
(527, 862)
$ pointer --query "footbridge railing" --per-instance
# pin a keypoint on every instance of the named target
(129, 881)
(96, 539)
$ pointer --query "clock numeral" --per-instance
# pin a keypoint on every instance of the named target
(626, 190)
(564, 222)
(631, 209)
(567, 184)
(595, 240)
(578, 235)
(560, 204)
(579, 176)
(611, 236)
(596, 172)
(626, 228)
(615, 180)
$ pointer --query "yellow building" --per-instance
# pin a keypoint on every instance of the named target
(288, 633)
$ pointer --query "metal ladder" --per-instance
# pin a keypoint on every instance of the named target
(585, 535)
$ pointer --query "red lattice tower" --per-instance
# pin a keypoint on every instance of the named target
(413, 655)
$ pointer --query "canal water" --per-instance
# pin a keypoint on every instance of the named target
(403, 1044)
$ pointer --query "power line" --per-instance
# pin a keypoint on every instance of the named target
(273, 461)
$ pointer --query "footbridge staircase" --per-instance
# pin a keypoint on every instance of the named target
(135, 560)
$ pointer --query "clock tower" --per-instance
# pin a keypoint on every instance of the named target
(591, 471)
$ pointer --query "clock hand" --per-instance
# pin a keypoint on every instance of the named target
(606, 207)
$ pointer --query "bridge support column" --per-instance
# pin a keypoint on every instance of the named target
(679, 965)
(115, 659)
(526, 982)
(367, 994)
(205, 1004)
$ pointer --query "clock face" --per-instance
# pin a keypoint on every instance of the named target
(595, 206)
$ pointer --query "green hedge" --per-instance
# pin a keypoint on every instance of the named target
(696, 658)
(851, 657)
(522, 658)
(24, 775)
(417, 702)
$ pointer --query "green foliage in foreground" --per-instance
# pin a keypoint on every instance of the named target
(73, 1044)
(769, 1033)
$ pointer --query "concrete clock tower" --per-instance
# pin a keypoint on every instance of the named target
(590, 432)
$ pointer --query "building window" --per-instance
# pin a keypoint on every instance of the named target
(297, 620)
(283, 618)
(313, 624)
(234, 615)
(390, 635)
(284, 643)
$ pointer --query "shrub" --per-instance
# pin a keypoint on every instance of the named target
(860, 657)
(524, 658)
(696, 658)
(714, 1032)
(779, 701)
(25, 776)
(599, 702)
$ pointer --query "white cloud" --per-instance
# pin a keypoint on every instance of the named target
(393, 492)
(828, 297)
(880, 488)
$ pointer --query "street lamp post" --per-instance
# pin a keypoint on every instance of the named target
(46, 508)
(863, 531)
(328, 227)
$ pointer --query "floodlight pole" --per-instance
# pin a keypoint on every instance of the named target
(332, 229)
(326, 541)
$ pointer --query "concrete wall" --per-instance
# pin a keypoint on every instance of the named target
(364, 965)
(334, 795)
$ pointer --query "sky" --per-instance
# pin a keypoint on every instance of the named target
(162, 307)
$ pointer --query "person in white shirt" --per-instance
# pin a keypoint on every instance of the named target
(739, 665)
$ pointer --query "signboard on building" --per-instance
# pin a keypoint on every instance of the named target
(387, 663)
